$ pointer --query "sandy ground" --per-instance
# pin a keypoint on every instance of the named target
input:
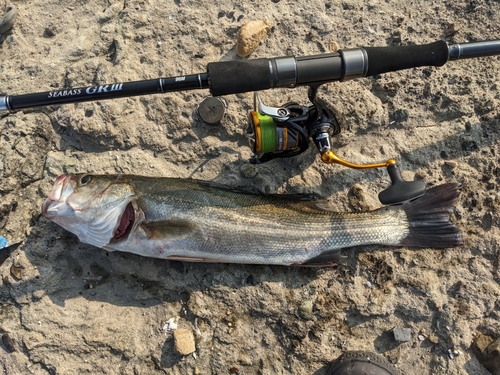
(70, 308)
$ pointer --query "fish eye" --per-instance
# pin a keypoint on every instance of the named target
(85, 179)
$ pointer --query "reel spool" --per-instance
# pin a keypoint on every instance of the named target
(271, 138)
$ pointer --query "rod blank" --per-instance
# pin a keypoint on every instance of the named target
(231, 77)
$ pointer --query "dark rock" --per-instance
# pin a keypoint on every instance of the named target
(8, 343)
(469, 146)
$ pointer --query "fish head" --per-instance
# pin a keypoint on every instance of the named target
(98, 209)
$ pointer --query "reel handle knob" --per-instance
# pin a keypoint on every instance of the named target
(400, 190)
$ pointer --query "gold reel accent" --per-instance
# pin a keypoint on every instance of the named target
(329, 157)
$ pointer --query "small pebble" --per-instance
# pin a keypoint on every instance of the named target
(421, 337)
(250, 35)
(493, 354)
(184, 341)
(306, 310)
(49, 32)
(402, 334)
(434, 339)
(401, 115)
(170, 325)
(248, 171)
(452, 353)
(487, 351)
(481, 342)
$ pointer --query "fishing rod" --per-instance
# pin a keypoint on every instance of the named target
(277, 132)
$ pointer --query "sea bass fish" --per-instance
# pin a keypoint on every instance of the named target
(192, 220)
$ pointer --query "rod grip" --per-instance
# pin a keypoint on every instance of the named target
(233, 77)
(390, 59)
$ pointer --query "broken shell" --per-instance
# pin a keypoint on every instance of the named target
(171, 325)
(452, 164)
(333, 46)
(16, 272)
(250, 35)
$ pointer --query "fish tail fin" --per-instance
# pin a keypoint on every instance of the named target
(429, 224)
(429, 218)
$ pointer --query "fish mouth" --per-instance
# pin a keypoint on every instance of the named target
(127, 221)
(61, 190)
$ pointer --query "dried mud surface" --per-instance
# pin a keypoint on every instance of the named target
(70, 308)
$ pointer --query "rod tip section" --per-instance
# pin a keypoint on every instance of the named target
(474, 49)
(4, 106)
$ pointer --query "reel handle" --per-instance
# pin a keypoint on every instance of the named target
(400, 191)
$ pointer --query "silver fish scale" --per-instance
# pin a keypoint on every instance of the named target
(223, 225)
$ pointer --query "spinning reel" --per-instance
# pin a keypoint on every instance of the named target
(286, 131)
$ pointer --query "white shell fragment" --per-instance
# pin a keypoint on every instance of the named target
(171, 325)
(452, 353)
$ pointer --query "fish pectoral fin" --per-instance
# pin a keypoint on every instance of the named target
(168, 229)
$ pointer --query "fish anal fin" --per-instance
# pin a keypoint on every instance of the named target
(168, 229)
(185, 258)
(327, 258)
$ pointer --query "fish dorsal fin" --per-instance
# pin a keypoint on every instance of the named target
(298, 197)
(171, 229)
